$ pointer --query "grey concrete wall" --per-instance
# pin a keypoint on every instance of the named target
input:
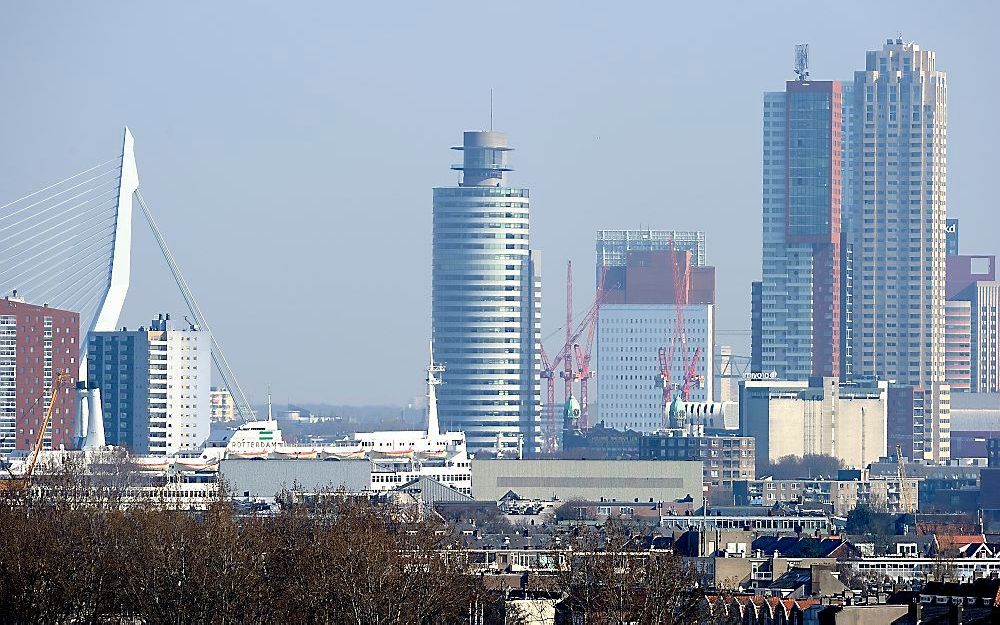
(614, 480)
(265, 478)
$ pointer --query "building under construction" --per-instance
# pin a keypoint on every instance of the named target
(655, 327)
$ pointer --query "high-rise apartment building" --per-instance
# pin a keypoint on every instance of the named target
(118, 364)
(970, 325)
(756, 327)
(898, 213)
(155, 386)
(854, 232)
(958, 345)
(223, 406)
(486, 301)
(801, 287)
(900, 244)
(801, 261)
(984, 300)
(36, 344)
(638, 316)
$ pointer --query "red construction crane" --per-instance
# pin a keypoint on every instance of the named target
(567, 373)
(551, 421)
(583, 371)
(691, 375)
(682, 287)
(664, 383)
(565, 356)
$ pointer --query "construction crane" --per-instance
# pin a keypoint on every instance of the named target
(663, 379)
(691, 375)
(61, 379)
(682, 287)
(904, 490)
(583, 372)
(567, 349)
(563, 361)
(549, 375)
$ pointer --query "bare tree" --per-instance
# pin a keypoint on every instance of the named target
(613, 577)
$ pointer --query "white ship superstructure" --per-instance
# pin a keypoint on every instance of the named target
(191, 481)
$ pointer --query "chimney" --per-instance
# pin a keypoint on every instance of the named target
(95, 424)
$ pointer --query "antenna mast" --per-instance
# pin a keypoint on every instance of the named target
(802, 61)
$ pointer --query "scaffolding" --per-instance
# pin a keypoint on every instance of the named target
(613, 246)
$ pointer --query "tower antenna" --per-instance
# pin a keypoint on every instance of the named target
(802, 61)
(491, 109)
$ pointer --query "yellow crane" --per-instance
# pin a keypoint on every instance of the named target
(62, 378)
(904, 489)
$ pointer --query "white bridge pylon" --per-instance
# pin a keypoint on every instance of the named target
(69, 245)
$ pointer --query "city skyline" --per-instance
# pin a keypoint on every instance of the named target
(189, 179)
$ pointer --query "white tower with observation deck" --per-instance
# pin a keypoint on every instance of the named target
(486, 300)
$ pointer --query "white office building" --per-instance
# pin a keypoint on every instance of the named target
(486, 301)
(628, 365)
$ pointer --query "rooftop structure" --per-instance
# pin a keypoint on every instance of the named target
(613, 246)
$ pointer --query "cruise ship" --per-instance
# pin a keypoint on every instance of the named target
(396, 457)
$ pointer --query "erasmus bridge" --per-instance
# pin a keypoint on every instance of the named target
(69, 245)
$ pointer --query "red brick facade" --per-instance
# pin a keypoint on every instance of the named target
(46, 342)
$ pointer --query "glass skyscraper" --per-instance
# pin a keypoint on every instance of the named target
(854, 231)
(486, 301)
(800, 294)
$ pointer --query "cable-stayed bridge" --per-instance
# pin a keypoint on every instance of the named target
(69, 245)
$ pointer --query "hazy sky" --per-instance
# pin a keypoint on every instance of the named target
(288, 150)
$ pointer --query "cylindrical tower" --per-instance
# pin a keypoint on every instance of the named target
(486, 300)
(95, 423)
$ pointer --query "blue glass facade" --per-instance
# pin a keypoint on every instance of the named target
(813, 138)
(118, 364)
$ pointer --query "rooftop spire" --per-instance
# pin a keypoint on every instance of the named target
(433, 429)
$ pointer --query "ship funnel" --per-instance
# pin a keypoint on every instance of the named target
(95, 422)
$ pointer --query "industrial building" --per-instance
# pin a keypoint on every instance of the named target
(816, 416)
(725, 458)
(36, 344)
(486, 300)
(589, 480)
(155, 386)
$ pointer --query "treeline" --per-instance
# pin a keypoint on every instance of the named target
(802, 467)
(355, 564)
(344, 561)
